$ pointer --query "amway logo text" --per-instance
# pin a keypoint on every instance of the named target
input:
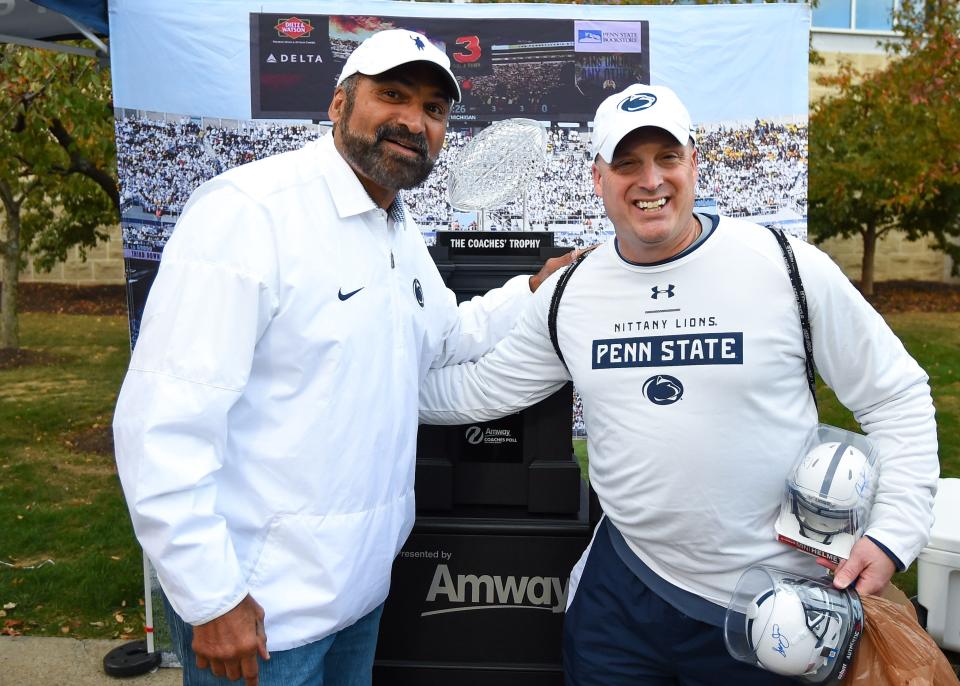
(488, 592)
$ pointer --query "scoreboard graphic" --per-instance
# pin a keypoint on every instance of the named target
(553, 69)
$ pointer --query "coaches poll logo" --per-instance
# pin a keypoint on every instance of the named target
(638, 102)
(418, 292)
(663, 389)
(476, 435)
(294, 28)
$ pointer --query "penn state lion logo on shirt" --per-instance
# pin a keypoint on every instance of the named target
(663, 389)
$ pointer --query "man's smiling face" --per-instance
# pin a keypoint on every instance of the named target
(648, 190)
(390, 127)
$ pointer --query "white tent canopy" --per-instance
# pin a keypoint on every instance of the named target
(28, 23)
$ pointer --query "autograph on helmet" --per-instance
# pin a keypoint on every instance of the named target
(782, 642)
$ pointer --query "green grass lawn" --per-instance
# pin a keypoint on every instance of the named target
(62, 503)
(934, 340)
(58, 503)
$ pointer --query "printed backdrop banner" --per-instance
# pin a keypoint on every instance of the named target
(201, 86)
(727, 62)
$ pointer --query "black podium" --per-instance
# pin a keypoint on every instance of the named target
(479, 589)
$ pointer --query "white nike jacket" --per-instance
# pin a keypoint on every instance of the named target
(266, 430)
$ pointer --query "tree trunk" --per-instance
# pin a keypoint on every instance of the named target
(9, 324)
(869, 253)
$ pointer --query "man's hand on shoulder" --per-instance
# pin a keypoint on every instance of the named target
(228, 645)
(550, 266)
(868, 565)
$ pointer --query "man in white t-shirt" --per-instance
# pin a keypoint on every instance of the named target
(682, 336)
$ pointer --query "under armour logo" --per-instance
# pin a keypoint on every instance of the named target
(657, 292)
(416, 41)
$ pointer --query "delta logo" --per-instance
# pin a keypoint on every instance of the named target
(294, 28)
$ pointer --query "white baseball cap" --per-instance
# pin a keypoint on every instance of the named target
(634, 107)
(387, 49)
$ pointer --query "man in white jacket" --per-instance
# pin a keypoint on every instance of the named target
(267, 426)
(683, 337)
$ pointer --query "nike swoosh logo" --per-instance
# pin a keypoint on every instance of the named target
(344, 296)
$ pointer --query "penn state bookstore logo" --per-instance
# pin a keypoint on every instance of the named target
(589, 36)
(663, 389)
(294, 28)
(638, 102)
(418, 292)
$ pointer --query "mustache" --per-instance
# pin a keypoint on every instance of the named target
(401, 134)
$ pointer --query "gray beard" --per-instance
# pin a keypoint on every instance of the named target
(381, 165)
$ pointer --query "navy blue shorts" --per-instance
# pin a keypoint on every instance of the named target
(618, 632)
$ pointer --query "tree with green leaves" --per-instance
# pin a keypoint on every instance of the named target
(58, 183)
(885, 151)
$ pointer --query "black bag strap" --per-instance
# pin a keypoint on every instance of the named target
(555, 300)
(801, 297)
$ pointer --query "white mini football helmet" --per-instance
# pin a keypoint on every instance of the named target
(794, 631)
(827, 490)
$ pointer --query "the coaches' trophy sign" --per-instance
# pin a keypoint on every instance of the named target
(496, 166)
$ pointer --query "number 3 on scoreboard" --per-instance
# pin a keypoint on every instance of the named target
(471, 45)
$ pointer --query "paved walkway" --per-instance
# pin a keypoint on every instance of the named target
(29, 661)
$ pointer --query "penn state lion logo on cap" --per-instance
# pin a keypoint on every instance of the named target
(638, 102)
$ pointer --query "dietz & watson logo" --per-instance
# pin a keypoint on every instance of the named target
(294, 28)
(469, 592)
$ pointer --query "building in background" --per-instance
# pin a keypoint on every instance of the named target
(854, 31)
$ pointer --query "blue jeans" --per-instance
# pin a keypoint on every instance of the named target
(341, 659)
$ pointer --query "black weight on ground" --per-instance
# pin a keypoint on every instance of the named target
(130, 659)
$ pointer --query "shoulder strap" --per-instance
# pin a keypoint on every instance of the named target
(801, 297)
(555, 300)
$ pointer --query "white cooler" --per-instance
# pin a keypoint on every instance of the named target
(938, 569)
